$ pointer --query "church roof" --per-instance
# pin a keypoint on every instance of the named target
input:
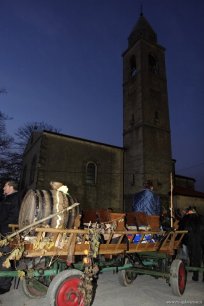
(142, 30)
(187, 192)
(80, 139)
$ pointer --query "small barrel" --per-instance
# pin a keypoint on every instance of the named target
(39, 204)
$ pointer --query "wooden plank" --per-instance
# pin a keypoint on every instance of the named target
(71, 248)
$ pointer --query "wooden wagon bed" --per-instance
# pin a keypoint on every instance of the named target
(60, 258)
(63, 242)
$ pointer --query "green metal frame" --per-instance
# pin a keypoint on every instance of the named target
(147, 259)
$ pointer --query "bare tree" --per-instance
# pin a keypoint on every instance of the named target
(11, 153)
(6, 142)
(24, 133)
(3, 91)
(22, 136)
(5, 139)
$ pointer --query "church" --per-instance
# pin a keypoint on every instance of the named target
(101, 175)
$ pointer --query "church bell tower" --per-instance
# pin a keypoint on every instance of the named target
(146, 126)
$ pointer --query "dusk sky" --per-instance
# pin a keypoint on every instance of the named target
(61, 63)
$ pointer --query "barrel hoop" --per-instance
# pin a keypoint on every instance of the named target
(37, 205)
(72, 214)
(43, 202)
(51, 204)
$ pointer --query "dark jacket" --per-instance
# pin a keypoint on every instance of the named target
(192, 223)
(9, 211)
(148, 202)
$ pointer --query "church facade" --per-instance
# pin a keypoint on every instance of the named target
(92, 171)
(101, 175)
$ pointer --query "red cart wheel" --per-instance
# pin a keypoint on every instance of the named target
(64, 289)
(178, 276)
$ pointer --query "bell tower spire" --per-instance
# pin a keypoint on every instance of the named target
(141, 9)
(146, 126)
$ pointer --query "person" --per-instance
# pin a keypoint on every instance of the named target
(59, 186)
(191, 222)
(55, 185)
(147, 201)
(9, 211)
(166, 219)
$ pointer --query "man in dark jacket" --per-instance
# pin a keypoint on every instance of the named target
(9, 211)
(192, 223)
(147, 201)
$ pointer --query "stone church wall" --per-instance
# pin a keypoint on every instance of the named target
(62, 158)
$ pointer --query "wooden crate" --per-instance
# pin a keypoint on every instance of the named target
(136, 218)
(153, 222)
(89, 215)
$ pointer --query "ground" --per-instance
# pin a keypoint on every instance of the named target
(145, 290)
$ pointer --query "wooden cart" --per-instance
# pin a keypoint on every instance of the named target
(65, 263)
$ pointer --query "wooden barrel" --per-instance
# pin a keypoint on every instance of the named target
(38, 204)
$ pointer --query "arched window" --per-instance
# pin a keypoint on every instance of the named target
(33, 169)
(133, 66)
(153, 64)
(91, 173)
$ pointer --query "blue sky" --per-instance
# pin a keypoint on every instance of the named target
(61, 63)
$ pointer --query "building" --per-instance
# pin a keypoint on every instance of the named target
(146, 134)
(185, 195)
(92, 171)
(101, 175)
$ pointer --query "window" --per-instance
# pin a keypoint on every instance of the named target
(133, 67)
(153, 64)
(32, 170)
(156, 117)
(132, 121)
(91, 173)
(133, 180)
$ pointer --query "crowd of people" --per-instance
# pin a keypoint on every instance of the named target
(192, 250)
(193, 222)
(187, 219)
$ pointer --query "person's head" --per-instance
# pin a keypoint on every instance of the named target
(55, 185)
(191, 210)
(149, 185)
(10, 187)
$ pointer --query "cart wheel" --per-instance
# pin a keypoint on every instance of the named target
(126, 277)
(35, 287)
(178, 277)
(64, 289)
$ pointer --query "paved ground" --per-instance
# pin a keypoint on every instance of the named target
(145, 291)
